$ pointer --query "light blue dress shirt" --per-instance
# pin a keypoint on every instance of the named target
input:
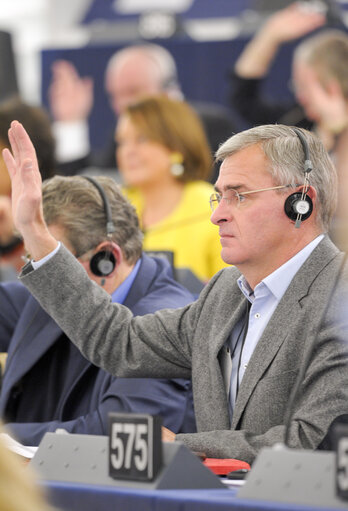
(120, 294)
(264, 300)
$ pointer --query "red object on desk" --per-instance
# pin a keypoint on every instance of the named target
(222, 467)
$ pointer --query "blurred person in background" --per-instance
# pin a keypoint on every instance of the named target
(132, 72)
(37, 123)
(164, 160)
(19, 488)
(254, 63)
(320, 82)
(47, 383)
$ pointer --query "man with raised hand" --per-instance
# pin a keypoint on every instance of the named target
(48, 384)
(243, 341)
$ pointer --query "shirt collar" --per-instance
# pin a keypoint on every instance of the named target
(278, 281)
(120, 294)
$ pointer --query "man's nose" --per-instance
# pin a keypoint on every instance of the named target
(222, 213)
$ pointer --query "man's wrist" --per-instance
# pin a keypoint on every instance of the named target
(41, 262)
(38, 242)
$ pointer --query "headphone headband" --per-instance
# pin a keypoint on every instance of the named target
(103, 262)
(299, 206)
(110, 226)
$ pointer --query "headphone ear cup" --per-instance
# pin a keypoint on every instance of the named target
(296, 205)
(102, 263)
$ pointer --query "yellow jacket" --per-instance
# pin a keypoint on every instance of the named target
(187, 231)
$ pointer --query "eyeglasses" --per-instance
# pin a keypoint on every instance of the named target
(232, 197)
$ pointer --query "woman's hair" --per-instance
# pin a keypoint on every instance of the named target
(327, 52)
(37, 123)
(174, 124)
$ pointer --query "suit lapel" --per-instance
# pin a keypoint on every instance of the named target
(235, 313)
(290, 311)
(142, 281)
(265, 351)
(226, 315)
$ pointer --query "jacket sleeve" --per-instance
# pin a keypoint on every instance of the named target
(247, 98)
(169, 398)
(155, 345)
(12, 300)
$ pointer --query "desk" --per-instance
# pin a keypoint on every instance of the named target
(77, 497)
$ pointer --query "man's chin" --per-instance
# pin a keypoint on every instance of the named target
(228, 256)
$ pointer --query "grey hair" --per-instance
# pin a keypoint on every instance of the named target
(327, 53)
(284, 151)
(76, 205)
(163, 60)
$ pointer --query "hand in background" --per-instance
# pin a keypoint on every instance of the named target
(70, 96)
(284, 25)
(293, 22)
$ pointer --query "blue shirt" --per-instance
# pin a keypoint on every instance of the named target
(264, 300)
(120, 294)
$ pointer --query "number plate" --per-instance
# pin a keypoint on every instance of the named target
(340, 441)
(135, 446)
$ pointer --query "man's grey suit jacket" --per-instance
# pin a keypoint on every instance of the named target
(178, 343)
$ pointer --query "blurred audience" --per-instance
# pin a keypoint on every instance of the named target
(320, 82)
(131, 73)
(47, 383)
(164, 159)
(37, 123)
(254, 63)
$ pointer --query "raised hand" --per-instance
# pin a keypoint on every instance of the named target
(284, 25)
(26, 185)
(293, 22)
(71, 97)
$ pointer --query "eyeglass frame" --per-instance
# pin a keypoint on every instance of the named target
(214, 196)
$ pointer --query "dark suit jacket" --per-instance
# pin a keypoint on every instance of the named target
(247, 99)
(28, 333)
(190, 340)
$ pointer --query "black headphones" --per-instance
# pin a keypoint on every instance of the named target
(299, 206)
(103, 262)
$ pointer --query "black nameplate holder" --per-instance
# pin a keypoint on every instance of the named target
(135, 446)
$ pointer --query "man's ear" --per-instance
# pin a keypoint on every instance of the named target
(312, 193)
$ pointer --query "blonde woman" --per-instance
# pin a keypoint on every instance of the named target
(164, 159)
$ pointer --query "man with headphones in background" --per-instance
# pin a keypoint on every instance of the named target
(48, 384)
(254, 328)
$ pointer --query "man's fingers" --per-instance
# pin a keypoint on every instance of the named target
(9, 162)
(14, 145)
(25, 146)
